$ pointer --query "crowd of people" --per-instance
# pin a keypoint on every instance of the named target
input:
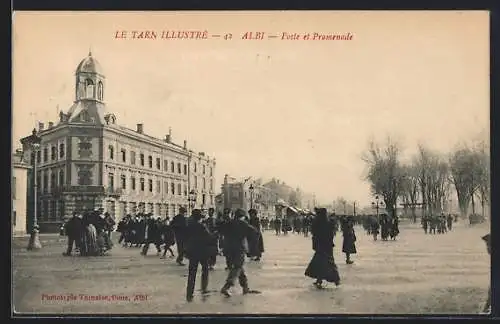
(89, 232)
(439, 224)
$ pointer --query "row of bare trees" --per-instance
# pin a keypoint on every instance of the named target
(427, 180)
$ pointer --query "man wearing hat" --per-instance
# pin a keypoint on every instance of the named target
(223, 228)
(198, 243)
(235, 239)
(179, 225)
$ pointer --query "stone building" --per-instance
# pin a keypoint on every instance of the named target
(248, 194)
(19, 193)
(87, 161)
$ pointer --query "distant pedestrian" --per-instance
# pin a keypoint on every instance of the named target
(348, 244)
(322, 266)
(256, 243)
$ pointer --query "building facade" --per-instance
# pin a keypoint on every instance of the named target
(19, 194)
(247, 194)
(88, 161)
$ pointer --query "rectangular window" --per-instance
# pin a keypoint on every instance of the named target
(38, 157)
(211, 171)
(111, 180)
(158, 185)
(179, 168)
(172, 188)
(111, 150)
(53, 153)
(195, 167)
(172, 167)
(204, 184)
(203, 168)
(132, 157)
(150, 182)
(185, 169)
(158, 163)
(53, 180)
(61, 177)
(179, 189)
(150, 160)
(165, 187)
(195, 182)
(142, 184)
(61, 150)
(211, 184)
(124, 156)
(185, 190)
(14, 187)
(165, 165)
(132, 182)
(124, 182)
(45, 155)
(142, 159)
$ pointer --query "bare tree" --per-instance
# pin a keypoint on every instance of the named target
(466, 176)
(483, 170)
(410, 190)
(385, 172)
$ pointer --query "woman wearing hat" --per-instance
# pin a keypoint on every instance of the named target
(322, 266)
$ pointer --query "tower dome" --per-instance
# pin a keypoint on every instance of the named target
(89, 65)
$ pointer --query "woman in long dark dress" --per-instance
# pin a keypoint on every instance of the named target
(322, 266)
(348, 244)
(256, 244)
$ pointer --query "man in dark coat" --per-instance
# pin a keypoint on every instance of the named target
(199, 245)
(179, 225)
(211, 224)
(74, 230)
(235, 249)
(224, 229)
(255, 244)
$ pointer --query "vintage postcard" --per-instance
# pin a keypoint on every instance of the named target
(260, 162)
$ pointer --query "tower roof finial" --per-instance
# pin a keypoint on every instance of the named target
(90, 50)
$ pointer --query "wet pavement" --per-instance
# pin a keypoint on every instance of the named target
(416, 274)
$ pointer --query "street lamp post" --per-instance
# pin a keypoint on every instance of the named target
(34, 242)
(251, 195)
(192, 199)
(377, 204)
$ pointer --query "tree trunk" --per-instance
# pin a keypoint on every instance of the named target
(473, 204)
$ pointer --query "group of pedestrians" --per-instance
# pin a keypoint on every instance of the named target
(200, 243)
(439, 224)
(89, 232)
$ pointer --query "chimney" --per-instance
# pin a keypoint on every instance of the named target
(140, 128)
(185, 144)
(51, 124)
(167, 138)
(40, 126)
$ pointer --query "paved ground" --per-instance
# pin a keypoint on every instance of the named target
(418, 274)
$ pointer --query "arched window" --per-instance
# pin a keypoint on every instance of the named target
(100, 93)
(89, 88)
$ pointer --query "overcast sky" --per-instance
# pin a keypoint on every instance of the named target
(301, 111)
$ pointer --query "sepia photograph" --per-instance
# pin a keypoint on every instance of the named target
(250, 162)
